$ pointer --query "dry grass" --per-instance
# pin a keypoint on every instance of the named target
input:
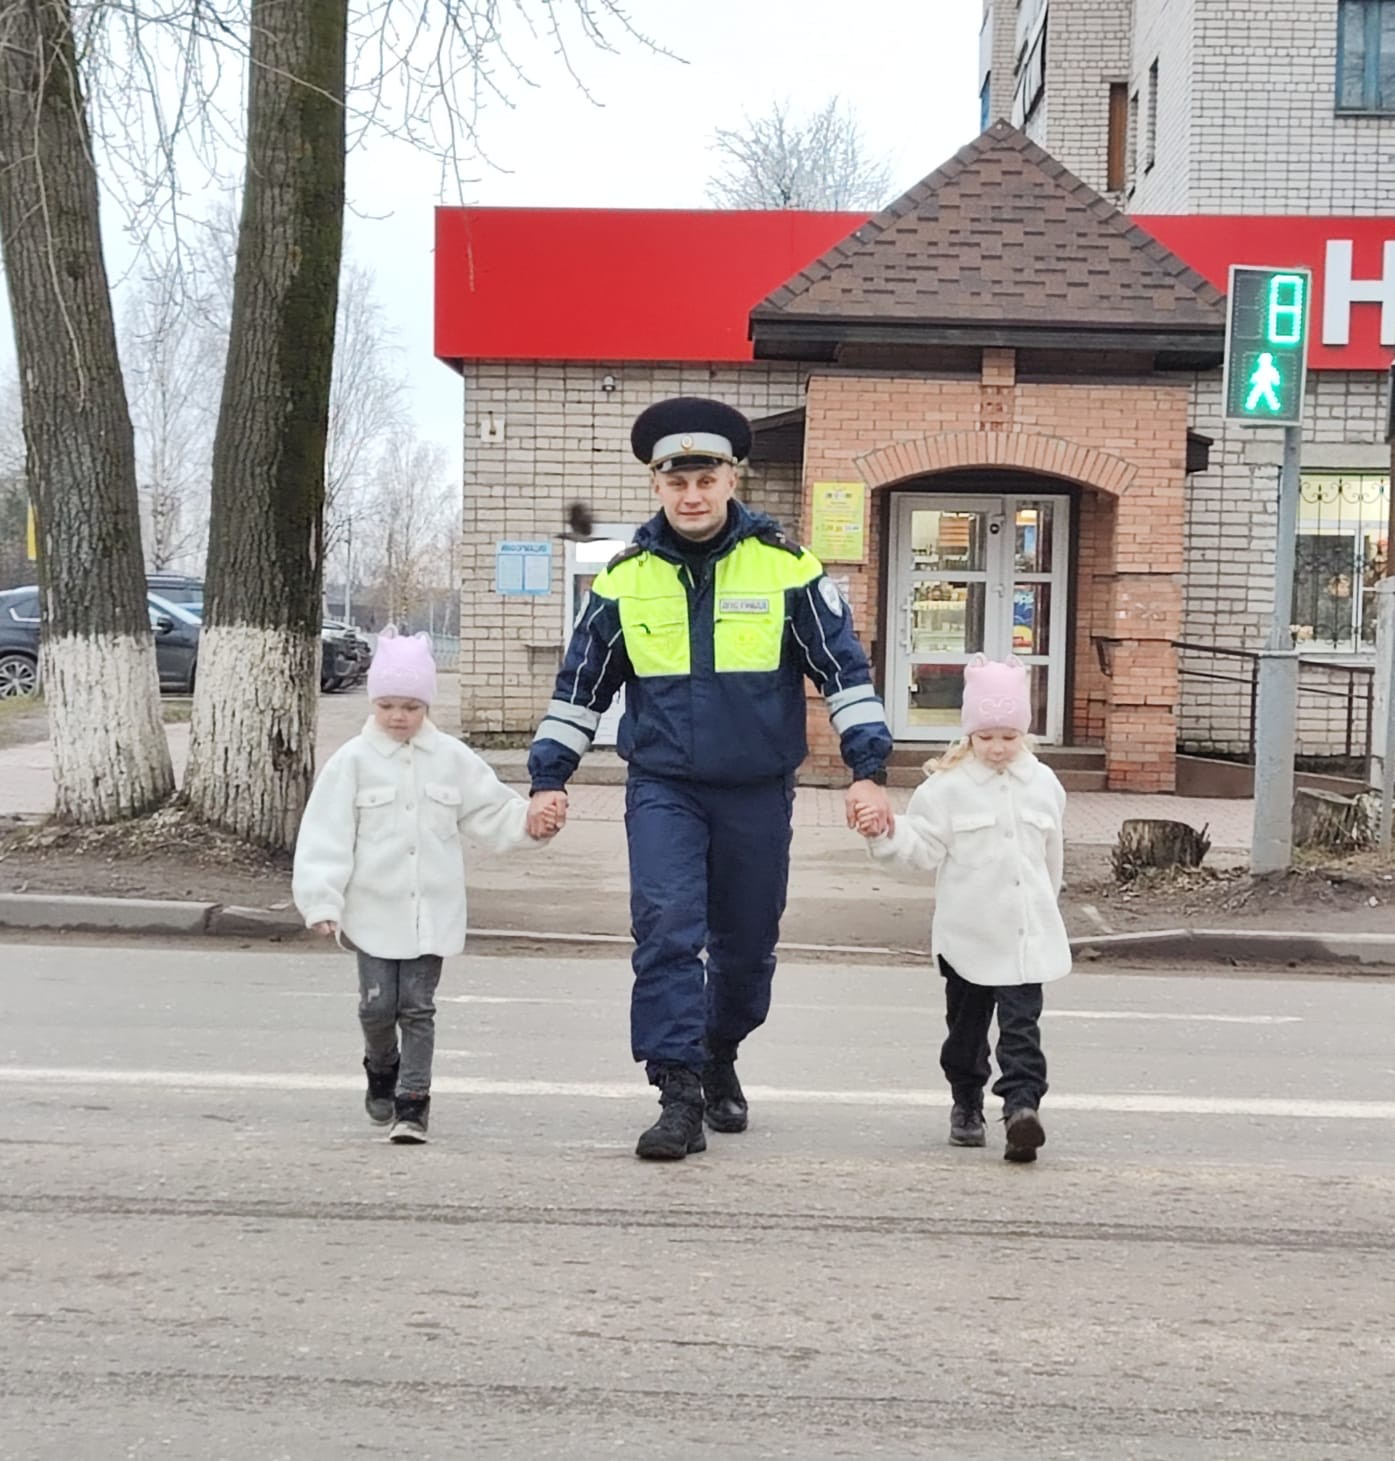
(170, 833)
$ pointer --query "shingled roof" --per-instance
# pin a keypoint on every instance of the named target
(1002, 245)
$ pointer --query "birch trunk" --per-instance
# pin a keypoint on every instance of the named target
(253, 731)
(97, 661)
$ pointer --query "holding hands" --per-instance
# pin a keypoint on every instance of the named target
(869, 809)
(547, 814)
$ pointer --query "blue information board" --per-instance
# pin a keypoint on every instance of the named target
(523, 567)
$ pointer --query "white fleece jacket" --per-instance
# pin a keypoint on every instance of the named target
(994, 840)
(379, 851)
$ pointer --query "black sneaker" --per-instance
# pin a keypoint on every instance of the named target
(678, 1131)
(1025, 1134)
(966, 1126)
(409, 1128)
(724, 1101)
(382, 1088)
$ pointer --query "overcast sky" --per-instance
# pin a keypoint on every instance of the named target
(906, 68)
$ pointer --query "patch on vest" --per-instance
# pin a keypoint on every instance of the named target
(743, 606)
(828, 591)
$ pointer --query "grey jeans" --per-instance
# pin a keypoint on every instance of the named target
(393, 993)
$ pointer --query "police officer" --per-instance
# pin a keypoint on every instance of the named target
(710, 621)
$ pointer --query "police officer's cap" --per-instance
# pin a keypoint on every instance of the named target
(690, 431)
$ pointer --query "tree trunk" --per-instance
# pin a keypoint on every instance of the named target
(1145, 843)
(1337, 823)
(253, 731)
(111, 759)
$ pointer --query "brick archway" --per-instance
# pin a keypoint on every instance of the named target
(1051, 456)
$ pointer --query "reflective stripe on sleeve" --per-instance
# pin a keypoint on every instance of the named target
(570, 736)
(837, 701)
(577, 714)
(863, 713)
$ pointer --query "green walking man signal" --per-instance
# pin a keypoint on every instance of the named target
(1266, 345)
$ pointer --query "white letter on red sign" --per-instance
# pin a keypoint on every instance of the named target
(1340, 291)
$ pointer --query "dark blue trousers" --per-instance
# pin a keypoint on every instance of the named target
(709, 868)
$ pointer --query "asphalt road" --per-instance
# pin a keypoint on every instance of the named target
(207, 1252)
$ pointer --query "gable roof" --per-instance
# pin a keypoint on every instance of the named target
(1000, 235)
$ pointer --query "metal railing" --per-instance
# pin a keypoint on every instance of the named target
(1349, 687)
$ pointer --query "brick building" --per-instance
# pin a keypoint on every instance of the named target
(1203, 110)
(1002, 392)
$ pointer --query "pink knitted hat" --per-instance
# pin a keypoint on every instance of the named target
(996, 696)
(402, 668)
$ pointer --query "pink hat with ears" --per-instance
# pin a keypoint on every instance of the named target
(996, 696)
(402, 668)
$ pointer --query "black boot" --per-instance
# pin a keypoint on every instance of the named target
(966, 1124)
(1025, 1134)
(721, 1091)
(382, 1087)
(413, 1113)
(678, 1130)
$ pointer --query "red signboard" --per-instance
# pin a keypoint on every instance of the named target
(611, 284)
(616, 285)
(1353, 265)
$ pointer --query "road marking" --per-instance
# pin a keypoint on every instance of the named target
(1151, 1103)
(1175, 1017)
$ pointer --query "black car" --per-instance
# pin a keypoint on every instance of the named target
(177, 588)
(345, 656)
(19, 643)
(176, 628)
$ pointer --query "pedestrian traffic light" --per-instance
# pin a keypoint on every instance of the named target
(1266, 345)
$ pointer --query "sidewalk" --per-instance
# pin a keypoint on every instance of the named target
(1092, 818)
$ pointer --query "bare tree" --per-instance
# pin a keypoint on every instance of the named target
(252, 735)
(80, 459)
(252, 744)
(781, 161)
(366, 403)
(411, 527)
(158, 73)
(173, 378)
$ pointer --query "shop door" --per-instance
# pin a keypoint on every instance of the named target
(974, 575)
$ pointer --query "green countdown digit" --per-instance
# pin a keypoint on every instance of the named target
(1285, 324)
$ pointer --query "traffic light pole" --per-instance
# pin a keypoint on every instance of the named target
(1276, 709)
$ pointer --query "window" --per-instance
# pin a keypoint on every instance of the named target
(1133, 140)
(1366, 56)
(1151, 142)
(983, 102)
(1116, 160)
(25, 610)
(1031, 78)
(1343, 524)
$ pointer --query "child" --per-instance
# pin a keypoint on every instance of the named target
(379, 860)
(988, 822)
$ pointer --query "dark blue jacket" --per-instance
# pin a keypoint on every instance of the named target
(760, 615)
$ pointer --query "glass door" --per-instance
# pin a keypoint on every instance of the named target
(974, 575)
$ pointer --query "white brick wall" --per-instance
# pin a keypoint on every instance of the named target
(1087, 49)
(1246, 113)
(1229, 576)
(565, 438)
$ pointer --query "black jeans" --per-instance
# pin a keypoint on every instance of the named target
(964, 1055)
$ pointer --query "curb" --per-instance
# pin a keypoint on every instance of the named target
(1248, 945)
(1205, 945)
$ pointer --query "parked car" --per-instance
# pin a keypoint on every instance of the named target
(19, 643)
(177, 588)
(345, 656)
(176, 628)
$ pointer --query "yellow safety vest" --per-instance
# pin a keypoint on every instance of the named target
(748, 608)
